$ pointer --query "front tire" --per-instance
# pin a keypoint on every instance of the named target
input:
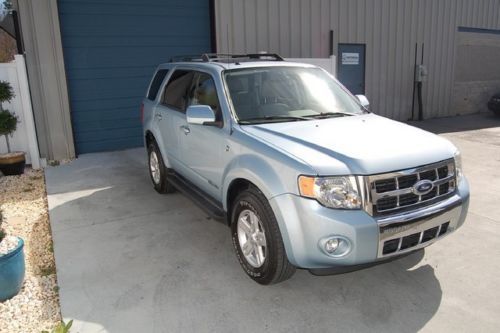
(257, 240)
(157, 170)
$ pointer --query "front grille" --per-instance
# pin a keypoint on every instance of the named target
(396, 245)
(396, 191)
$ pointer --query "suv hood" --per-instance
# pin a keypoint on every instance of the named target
(362, 145)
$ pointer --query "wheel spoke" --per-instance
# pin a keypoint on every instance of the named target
(252, 238)
(259, 254)
(254, 220)
(245, 226)
(247, 248)
(261, 239)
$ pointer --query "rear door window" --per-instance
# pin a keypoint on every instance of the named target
(176, 91)
(156, 83)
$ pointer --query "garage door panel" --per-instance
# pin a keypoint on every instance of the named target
(138, 7)
(109, 87)
(119, 129)
(106, 72)
(111, 49)
(163, 39)
(126, 24)
(106, 116)
(121, 58)
(103, 104)
(116, 134)
(109, 145)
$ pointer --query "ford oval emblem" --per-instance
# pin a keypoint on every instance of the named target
(423, 187)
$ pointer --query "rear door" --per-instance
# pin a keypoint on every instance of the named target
(172, 114)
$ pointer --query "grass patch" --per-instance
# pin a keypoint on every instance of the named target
(46, 271)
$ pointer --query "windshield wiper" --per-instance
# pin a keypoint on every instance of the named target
(328, 115)
(257, 119)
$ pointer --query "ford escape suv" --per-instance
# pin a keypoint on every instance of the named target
(299, 169)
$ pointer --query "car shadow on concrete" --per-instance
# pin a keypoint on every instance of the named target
(131, 260)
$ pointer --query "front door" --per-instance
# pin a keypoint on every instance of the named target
(351, 67)
(204, 147)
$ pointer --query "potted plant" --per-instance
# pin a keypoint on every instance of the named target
(11, 163)
(11, 264)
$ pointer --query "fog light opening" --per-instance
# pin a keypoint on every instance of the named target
(331, 245)
(336, 246)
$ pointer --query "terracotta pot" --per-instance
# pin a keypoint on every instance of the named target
(12, 163)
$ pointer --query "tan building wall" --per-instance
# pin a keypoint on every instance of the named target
(389, 28)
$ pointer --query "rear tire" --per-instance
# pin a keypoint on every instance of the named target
(257, 239)
(157, 170)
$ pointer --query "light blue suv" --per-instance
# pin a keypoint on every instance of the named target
(304, 175)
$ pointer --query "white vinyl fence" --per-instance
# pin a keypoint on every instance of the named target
(328, 64)
(24, 138)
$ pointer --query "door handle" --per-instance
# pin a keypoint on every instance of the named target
(158, 116)
(185, 129)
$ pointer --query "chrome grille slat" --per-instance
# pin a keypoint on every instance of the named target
(393, 191)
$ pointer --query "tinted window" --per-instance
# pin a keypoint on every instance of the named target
(176, 91)
(156, 83)
(204, 92)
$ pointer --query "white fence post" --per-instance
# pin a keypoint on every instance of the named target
(27, 110)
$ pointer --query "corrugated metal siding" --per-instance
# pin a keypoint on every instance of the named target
(389, 28)
(111, 48)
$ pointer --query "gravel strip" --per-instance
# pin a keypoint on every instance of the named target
(23, 200)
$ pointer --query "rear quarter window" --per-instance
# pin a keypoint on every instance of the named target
(156, 83)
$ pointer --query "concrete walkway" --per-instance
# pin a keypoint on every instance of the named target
(131, 260)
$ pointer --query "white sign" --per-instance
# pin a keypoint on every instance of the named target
(350, 58)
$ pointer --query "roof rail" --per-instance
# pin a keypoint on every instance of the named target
(209, 57)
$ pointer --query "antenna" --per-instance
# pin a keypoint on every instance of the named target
(229, 50)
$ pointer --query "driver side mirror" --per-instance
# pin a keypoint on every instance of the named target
(363, 101)
(200, 115)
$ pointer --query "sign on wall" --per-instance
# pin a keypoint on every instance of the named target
(350, 58)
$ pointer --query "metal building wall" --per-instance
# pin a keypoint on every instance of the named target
(389, 28)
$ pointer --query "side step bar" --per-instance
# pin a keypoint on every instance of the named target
(208, 204)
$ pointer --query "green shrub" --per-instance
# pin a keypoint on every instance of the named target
(8, 122)
(6, 92)
(61, 327)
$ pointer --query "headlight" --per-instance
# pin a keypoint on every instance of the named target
(335, 192)
(458, 166)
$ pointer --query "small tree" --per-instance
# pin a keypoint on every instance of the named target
(8, 120)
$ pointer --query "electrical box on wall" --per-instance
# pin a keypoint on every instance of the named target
(420, 73)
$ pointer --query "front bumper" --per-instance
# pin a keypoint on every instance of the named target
(305, 224)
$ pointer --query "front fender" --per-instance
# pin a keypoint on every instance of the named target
(257, 171)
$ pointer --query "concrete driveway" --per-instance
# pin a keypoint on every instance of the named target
(131, 260)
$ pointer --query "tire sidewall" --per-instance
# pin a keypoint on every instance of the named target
(249, 201)
(152, 148)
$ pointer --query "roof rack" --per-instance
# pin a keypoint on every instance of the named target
(222, 57)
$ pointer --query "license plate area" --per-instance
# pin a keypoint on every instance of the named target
(398, 238)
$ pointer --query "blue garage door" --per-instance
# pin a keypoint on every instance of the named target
(111, 48)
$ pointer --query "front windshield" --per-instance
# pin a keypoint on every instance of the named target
(274, 94)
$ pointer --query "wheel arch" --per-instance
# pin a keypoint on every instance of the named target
(150, 137)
